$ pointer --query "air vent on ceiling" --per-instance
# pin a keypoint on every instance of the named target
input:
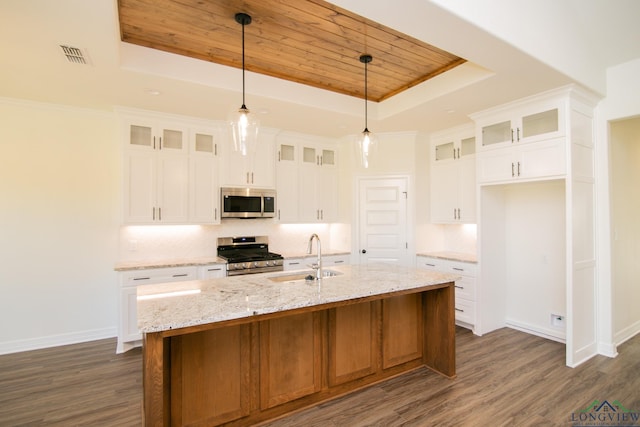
(74, 55)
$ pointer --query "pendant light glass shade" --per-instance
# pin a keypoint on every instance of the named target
(244, 129)
(244, 125)
(367, 142)
(367, 145)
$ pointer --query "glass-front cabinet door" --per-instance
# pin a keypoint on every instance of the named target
(537, 123)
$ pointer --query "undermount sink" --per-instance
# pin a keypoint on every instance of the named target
(303, 276)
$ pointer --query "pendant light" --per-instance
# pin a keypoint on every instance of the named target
(244, 125)
(367, 141)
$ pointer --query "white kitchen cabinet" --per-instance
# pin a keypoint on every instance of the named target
(520, 284)
(287, 181)
(155, 171)
(213, 271)
(318, 183)
(302, 263)
(332, 260)
(204, 187)
(535, 121)
(128, 334)
(307, 179)
(256, 169)
(465, 287)
(453, 176)
(540, 160)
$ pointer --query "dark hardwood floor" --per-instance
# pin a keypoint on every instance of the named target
(505, 378)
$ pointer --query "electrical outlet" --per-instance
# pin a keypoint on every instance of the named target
(557, 320)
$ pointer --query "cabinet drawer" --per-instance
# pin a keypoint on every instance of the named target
(335, 260)
(434, 264)
(446, 266)
(294, 264)
(158, 275)
(465, 311)
(461, 268)
(466, 288)
(213, 271)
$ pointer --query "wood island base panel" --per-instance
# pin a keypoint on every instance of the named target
(250, 369)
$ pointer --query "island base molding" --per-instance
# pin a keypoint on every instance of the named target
(246, 371)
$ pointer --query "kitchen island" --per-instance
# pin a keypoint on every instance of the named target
(244, 349)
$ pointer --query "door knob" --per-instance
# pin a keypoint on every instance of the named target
(364, 251)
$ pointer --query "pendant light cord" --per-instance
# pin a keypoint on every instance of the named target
(243, 104)
(366, 127)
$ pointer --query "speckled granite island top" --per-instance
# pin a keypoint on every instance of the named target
(177, 305)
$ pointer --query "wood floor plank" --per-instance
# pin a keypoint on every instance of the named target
(505, 378)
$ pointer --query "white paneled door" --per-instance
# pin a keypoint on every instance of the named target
(383, 221)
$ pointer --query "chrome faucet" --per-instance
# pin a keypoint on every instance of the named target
(318, 265)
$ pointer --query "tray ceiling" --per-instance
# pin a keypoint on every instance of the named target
(310, 42)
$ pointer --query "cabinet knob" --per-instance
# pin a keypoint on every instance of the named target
(364, 251)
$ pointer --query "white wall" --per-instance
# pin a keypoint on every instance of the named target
(535, 255)
(619, 104)
(60, 191)
(625, 205)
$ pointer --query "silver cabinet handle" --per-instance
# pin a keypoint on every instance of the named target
(512, 170)
(459, 287)
(518, 133)
(248, 178)
(252, 177)
(159, 214)
(141, 278)
(429, 265)
(153, 213)
(180, 275)
(160, 143)
(511, 135)
(460, 310)
(215, 213)
(458, 268)
(518, 168)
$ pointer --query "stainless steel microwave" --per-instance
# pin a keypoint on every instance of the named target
(247, 203)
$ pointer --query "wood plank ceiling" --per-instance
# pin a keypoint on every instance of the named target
(306, 41)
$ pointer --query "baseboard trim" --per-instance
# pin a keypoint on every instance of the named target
(549, 334)
(627, 333)
(56, 340)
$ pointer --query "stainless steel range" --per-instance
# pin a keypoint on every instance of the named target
(248, 255)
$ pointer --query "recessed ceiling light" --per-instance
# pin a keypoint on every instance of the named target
(153, 92)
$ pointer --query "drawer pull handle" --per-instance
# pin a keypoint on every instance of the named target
(459, 287)
(180, 275)
(141, 278)
(460, 310)
(338, 261)
(429, 265)
(214, 269)
(458, 269)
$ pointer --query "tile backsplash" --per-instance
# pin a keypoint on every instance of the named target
(154, 242)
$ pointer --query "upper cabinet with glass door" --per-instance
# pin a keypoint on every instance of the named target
(454, 146)
(538, 120)
(143, 133)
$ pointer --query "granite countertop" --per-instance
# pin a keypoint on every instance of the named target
(185, 262)
(290, 255)
(452, 256)
(181, 304)
(164, 263)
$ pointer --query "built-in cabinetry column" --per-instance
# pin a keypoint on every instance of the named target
(536, 219)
